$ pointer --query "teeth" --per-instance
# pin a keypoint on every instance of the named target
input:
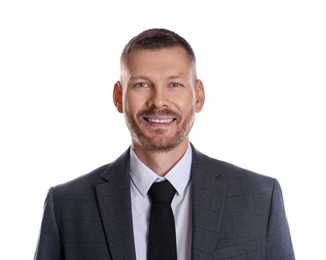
(160, 121)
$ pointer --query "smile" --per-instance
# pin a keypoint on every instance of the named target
(160, 120)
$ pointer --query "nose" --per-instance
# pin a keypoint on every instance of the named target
(158, 97)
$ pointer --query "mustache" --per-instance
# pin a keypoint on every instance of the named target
(159, 112)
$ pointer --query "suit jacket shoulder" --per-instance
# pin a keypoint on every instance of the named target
(89, 217)
(230, 173)
(237, 213)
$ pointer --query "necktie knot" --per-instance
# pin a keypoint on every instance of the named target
(162, 192)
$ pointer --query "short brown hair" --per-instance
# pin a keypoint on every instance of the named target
(157, 39)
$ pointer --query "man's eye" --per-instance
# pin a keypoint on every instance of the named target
(175, 85)
(140, 85)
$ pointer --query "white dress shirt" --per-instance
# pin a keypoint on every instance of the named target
(142, 179)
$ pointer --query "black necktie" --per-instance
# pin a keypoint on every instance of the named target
(161, 240)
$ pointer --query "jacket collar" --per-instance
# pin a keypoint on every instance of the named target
(115, 208)
(208, 199)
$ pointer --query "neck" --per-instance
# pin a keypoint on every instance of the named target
(158, 161)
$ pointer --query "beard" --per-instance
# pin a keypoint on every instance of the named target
(158, 142)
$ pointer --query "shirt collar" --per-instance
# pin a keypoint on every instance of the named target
(143, 177)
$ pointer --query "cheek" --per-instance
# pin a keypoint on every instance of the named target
(184, 108)
(186, 102)
(131, 104)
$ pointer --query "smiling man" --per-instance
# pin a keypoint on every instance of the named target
(163, 199)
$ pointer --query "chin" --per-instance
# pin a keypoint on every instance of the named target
(160, 144)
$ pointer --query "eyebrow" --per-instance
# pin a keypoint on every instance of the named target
(137, 77)
(178, 76)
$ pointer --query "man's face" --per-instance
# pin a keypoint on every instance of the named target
(159, 96)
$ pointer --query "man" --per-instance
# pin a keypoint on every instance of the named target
(220, 211)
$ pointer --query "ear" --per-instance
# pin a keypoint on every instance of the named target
(200, 95)
(117, 96)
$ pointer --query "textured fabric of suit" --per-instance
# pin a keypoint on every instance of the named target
(237, 214)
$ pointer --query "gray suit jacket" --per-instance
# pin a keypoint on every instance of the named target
(237, 214)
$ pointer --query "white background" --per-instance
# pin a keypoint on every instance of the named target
(263, 64)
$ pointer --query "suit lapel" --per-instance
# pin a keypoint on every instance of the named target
(208, 198)
(115, 208)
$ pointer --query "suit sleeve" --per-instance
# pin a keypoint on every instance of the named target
(49, 240)
(278, 243)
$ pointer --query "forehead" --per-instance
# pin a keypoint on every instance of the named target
(157, 59)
